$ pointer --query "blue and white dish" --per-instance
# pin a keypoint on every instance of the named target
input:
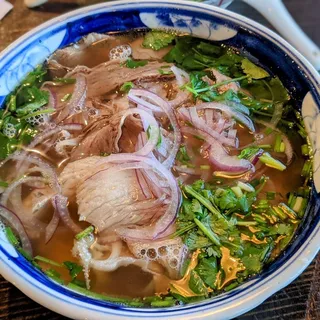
(207, 22)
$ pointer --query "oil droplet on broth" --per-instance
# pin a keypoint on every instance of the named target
(231, 266)
(254, 239)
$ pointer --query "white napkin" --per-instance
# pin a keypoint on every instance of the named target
(5, 7)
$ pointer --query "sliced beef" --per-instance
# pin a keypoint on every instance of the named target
(141, 53)
(73, 174)
(78, 54)
(105, 136)
(107, 77)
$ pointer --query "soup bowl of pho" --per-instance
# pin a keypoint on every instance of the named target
(158, 160)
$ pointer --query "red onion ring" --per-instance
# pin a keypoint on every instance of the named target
(15, 222)
(53, 225)
(138, 162)
(202, 127)
(165, 107)
(218, 156)
(60, 204)
(149, 122)
(9, 189)
(240, 117)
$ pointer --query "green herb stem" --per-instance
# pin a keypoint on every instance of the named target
(48, 261)
(84, 233)
(208, 233)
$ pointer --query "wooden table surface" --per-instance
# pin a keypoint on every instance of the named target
(300, 300)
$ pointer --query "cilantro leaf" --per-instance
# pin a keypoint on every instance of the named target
(252, 70)
(196, 284)
(133, 64)
(127, 86)
(182, 155)
(252, 263)
(197, 208)
(267, 90)
(157, 40)
(74, 268)
(207, 269)
(248, 152)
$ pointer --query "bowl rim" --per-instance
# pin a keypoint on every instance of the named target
(278, 279)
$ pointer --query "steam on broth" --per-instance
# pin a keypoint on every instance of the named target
(151, 169)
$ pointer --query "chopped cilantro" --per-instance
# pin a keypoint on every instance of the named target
(133, 64)
(127, 86)
(74, 268)
(157, 39)
(252, 70)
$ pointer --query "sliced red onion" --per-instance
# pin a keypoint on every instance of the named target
(240, 117)
(53, 224)
(209, 117)
(60, 204)
(155, 231)
(50, 132)
(181, 75)
(256, 157)
(143, 185)
(232, 133)
(288, 147)
(189, 115)
(165, 107)
(218, 156)
(52, 103)
(17, 225)
(142, 103)
(37, 140)
(12, 186)
(78, 98)
(46, 168)
(149, 123)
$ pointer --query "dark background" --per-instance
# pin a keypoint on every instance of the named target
(300, 300)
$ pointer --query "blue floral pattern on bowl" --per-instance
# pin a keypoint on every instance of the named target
(208, 23)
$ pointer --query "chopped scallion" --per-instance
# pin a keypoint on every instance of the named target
(11, 237)
(48, 261)
(271, 195)
(288, 211)
(305, 149)
(84, 233)
(237, 191)
(307, 167)
(277, 143)
(271, 162)
(278, 211)
(135, 302)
